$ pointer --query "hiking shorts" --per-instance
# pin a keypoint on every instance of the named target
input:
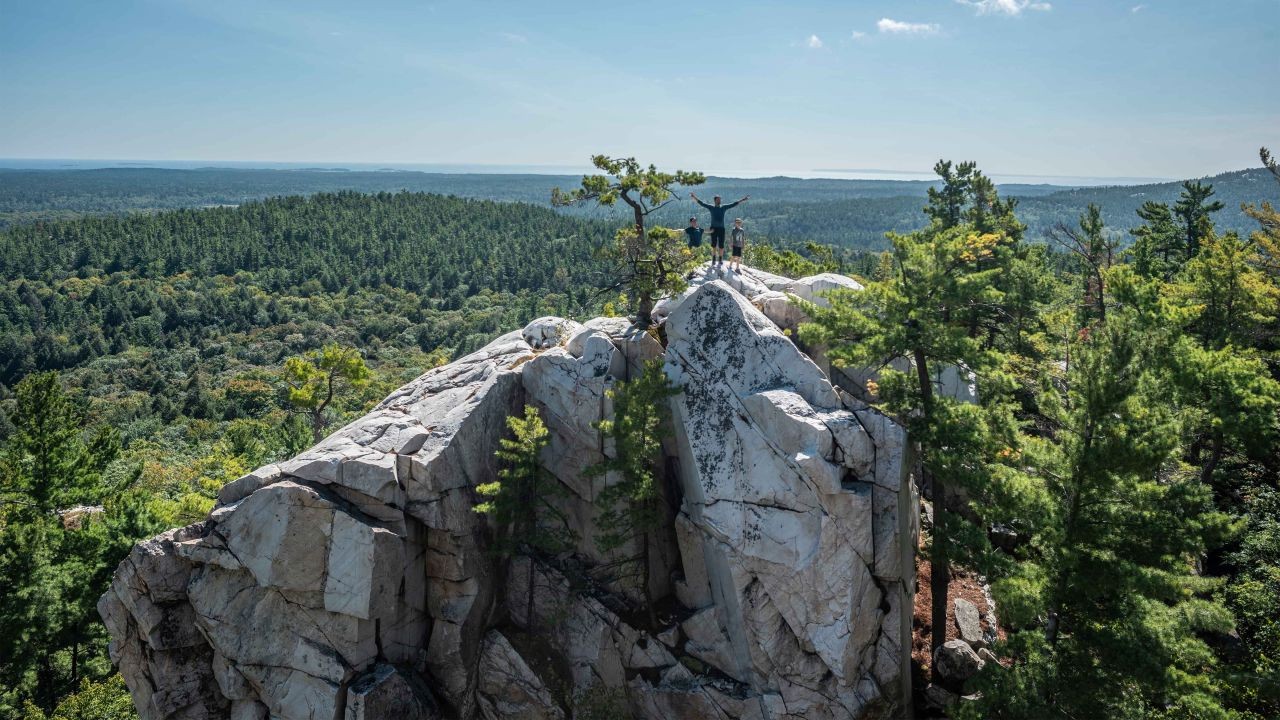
(717, 238)
(737, 251)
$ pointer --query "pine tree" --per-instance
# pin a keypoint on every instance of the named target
(651, 260)
(315, 378)
(1106, 595)
(1253, 596)
(53, 569)
(1231, 301)
(48, 465)
(947, 203)
(631, 507)
(1096, 254)
(940, 286)
(196, 402)
(521, 502)
(1158, 243)
(1267, 236)
(1193, 209)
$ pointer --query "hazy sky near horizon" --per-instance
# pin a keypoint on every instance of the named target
(1157, 88)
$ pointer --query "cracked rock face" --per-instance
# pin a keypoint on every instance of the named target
(794, 498)
(355, 580)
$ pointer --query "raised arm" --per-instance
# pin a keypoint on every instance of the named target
(695, 199)
(735, 203)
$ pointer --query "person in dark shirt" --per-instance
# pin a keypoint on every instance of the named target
(717, 224)
(694, 232)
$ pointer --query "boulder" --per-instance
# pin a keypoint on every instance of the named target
(166, 662)
(969, 622)
(987, 656)
(548, 332)
(956, 661)
(310, 572)
(939, 698)
(768, 279)
(245, 485)
(814, 287)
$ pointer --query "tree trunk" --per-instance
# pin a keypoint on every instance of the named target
(1053, 622)
(1215, 455)
(317, 426)
(644, 311)
(46, 698)
(526, 529)
(940, 570)
(644, 579)
(528, 610)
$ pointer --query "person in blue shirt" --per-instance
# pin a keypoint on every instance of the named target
(694, 232)
(717, 224)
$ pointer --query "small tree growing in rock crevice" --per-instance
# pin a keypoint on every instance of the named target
(520, 501)
(632, 507)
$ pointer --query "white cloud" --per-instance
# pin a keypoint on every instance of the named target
(814, 42)
(907, 28)
(1005, 7)
(514, 37)
(857, 35)
(1138, 8)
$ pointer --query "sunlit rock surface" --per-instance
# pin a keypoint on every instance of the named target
(355, 581)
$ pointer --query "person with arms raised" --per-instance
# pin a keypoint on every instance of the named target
(717, 224)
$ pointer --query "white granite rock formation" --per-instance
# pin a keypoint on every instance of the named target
(355, 580)
(796, 498)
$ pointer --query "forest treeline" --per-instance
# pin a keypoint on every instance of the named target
(849, 213)
(42, 193)
(419, 270)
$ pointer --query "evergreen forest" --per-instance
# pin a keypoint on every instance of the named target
(164, 332)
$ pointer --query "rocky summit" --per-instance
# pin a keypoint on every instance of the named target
(356, 582)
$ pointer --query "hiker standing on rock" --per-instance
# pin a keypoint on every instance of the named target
(717, 224)
(737, 240)
(694, 233)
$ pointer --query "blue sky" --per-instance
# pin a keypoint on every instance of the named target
(1153, 88)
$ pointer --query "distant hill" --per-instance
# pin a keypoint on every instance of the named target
(861, 222)
(1119, 204)
(850, 213)
(28, 194)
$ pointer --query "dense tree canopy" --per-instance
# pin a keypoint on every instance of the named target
(1125, 432)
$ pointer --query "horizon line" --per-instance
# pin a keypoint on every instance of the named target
(11, 163)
